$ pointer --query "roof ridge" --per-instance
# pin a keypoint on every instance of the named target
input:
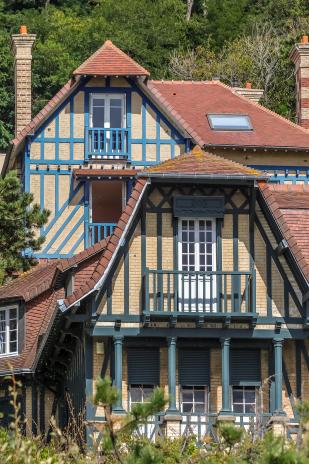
(263, 108)
(195, 152)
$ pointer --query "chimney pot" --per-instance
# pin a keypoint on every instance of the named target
(304, 39)
(248, 85)
(23, 29)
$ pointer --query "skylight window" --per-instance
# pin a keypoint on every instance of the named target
(230, 122)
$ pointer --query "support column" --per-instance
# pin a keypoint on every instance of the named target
(278, 376)
(118, 342)
(172, 417)
(279, 420)
(225, 357)
(172, 409)
(90, 409)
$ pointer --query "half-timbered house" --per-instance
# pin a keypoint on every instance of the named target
(175, 253)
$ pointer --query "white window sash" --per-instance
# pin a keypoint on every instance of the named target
(7, 337)
(107, 98)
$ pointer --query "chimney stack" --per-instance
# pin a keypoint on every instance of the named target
(22, 45)
(247, 91)
(300, 57)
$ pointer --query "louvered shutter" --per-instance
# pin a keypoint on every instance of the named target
(194, 367)
(245, 367)
(144, 366)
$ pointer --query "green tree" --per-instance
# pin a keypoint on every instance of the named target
(19, 221)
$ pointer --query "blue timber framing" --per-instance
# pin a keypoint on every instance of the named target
(56, 167)
(282, 174)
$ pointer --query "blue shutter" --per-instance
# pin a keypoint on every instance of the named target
(198, 206)
(143, 366)
(194, 367)
(245, 367)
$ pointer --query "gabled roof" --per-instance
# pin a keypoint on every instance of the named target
(40, 290)
(190, 102)
(109, 60)
(200, 163)
(289, 205)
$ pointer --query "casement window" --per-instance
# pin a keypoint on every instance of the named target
(197, 255)
(107, 111)
(8, 330)
(194, 399)
(194, 379)
(244, 400)
(143, 373)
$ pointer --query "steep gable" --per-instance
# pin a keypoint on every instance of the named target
(109, 60)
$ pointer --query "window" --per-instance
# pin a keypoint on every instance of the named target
(196, 251)
(8, 330)
(230, 122)
(244, 400)
(139, 394)
(194, 399)
(107, 111)
(197, 244)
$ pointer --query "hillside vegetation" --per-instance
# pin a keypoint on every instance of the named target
(236, 40)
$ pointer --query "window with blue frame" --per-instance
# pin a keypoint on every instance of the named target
(107, 124)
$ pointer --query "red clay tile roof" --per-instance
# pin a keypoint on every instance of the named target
(30, 284)
(37, 290)
(42, 115)
(200, 162)
(102, 264)
(290, 206)
(190, 102)
(109, 60)
(41, 277)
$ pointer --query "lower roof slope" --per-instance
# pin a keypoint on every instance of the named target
(289, 205)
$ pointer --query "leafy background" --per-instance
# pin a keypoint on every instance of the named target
(236, 40)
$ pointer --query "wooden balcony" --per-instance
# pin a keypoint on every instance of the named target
(99, 230)
(194, 293)
(107, 143)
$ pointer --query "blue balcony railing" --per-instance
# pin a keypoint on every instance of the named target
(108, 143)
(169, 292)
(100, 230)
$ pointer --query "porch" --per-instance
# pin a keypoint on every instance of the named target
(206, 380)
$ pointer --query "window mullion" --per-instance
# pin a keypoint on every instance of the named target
(7, 322)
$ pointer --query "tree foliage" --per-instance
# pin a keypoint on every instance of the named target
(19, 221)
(217, 37)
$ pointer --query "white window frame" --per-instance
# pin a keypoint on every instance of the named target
(242, 388)
(107, 97)
(7, 331)
(141, 387)
(197, 254)
(195, 388)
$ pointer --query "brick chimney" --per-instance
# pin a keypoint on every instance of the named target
(300, 57)
(247, 91)
(22, 45)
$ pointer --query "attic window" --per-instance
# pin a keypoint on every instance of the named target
(229, 122)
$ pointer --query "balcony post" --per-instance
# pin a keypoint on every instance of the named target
(118, 341)
(172, 409)
(225, 360)
(278, 376)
